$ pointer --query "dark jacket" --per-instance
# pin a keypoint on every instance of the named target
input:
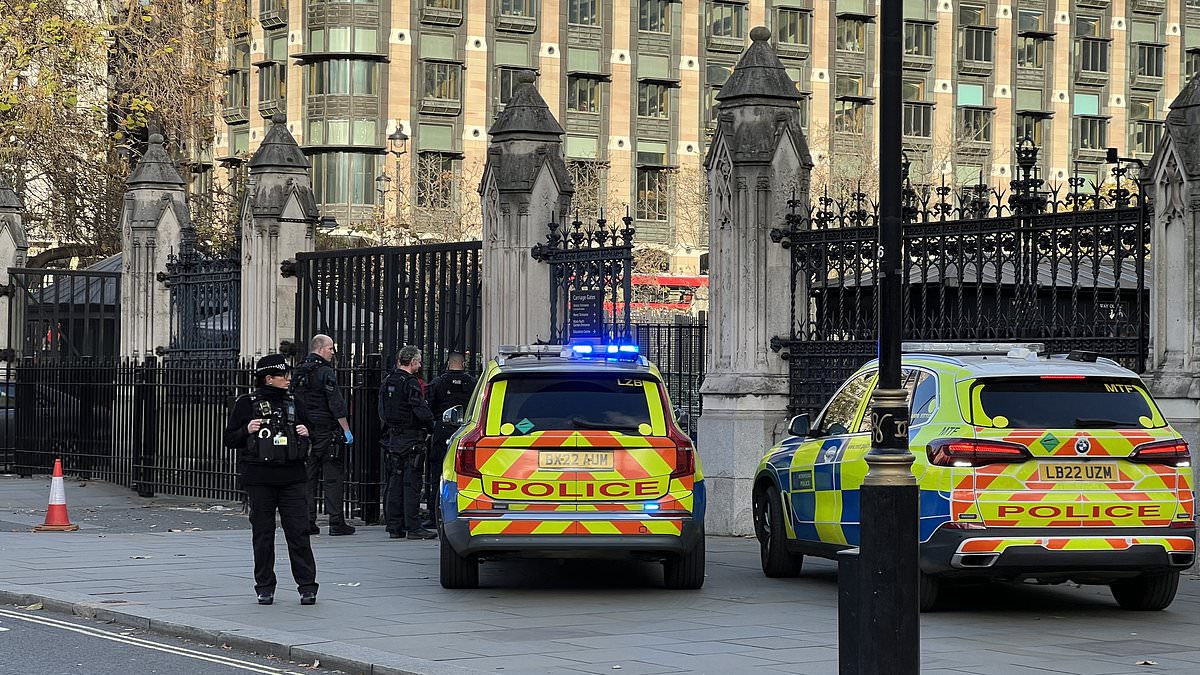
(315, 385)
(402, 405)
(449, 389)
(236, 437)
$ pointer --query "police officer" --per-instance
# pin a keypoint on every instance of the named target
(451, 388)
(407, 420)
(270, 429)
(316, 386)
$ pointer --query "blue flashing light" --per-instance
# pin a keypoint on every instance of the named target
(582, 349)
(612, 349)
(629, 349)
(651, 506)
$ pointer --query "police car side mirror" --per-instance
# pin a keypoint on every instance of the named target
(453, 416)
(799, 426)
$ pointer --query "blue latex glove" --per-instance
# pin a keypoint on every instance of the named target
(349, 437)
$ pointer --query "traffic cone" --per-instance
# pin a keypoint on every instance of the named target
(56, 513)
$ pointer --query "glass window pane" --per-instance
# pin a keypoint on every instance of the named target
(1087, 104)
(339, 39)
(970, 94)
(365, 40)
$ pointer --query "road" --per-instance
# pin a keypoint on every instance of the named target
(42, 643)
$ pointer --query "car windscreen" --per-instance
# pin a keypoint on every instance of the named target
(577, 402)
(1062, 402)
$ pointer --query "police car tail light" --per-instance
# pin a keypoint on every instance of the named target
(964, 452)
(685, 453)
(1174, 451)
(464, 459)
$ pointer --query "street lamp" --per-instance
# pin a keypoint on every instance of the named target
(398, 147)
(381, 186)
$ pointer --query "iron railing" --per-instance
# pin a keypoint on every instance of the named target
(65, 314)
(679, 351)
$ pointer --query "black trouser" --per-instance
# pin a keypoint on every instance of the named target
(433, 467)
(326, 460)
(289, 501)
(402, 462)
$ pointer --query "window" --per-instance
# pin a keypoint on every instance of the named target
(1148, 60)
(506, 84)
(654, 16)
(1031, 52)
(1191, 63)
(653, 100)
(1089, 26)
(805, 103)
(1093, 133)
(583, 12)
(1034, 403)
(726, 20)
(1029, 126)
(977, 44)
(1142, 109)
(1087, 104)
(583, 94)
(1092, 55)
(848, 85)
(1144, 125)
(442, 4)
(588, 177)
(435, 180)
(918, 120)
(1029, 99)
(652, 194)
(442, 81)
(975, 125)
(1031, 20)
(553, 402)
(794, 27)
(849, 117)
(516, 7)
(272, 75)
(342, 76)
(237, 79)
(970, 95)
(344, 177)
(971, 15)
(914, 89)
(918, 39)
(851, 35)
(342, 132)
(344, 39)
(841, 415)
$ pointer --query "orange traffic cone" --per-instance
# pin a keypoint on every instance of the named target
(56, 512)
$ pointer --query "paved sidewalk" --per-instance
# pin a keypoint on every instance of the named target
(380, 603)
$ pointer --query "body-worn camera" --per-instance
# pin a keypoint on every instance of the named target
(276, 440)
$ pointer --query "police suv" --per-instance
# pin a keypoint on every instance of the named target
(1053, 469)
(570, 452)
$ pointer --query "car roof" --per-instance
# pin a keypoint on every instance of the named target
(1000, 365)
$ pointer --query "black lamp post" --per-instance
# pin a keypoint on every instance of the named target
(889, 611)
(398, 147)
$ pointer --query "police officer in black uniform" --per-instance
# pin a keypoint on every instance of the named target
(407, 420)
(316, 386)
(270, 429)
(451, 388)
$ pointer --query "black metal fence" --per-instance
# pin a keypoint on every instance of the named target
(205, 303)
(1064, 267)
(65, 314)
(375, 300)
(679, 352)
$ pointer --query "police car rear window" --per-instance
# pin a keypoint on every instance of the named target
(1062, 402)
(557, 402)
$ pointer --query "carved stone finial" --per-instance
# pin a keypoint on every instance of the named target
(526, 77)
(157, 139)
(760, 34)
(278, 118)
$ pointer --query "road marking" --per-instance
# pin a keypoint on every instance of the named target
(147, 644)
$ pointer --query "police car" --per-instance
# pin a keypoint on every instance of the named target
(570, 452)
(1051, 469)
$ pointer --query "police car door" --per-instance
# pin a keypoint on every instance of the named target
(819, 507)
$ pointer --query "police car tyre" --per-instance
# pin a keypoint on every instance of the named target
(777, 561)
(1147, 593)
(458, 571)
(685, 571)
(928, 591)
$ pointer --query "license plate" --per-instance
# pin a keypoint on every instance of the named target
(1065, 473)
(562, 460)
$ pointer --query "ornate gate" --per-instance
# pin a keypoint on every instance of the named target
(205, 303)
(590, 279)
(1064, 267)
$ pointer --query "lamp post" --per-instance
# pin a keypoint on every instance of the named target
(398, 147)
(889, 610)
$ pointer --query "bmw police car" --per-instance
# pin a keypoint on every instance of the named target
(570, 452)
(1051, 469)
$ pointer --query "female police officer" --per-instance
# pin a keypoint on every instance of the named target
(266, 427)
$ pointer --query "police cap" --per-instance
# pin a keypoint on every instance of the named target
(272, 364)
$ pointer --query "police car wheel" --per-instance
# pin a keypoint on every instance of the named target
(458, 571)
(928, 591)
(777, 561)
(685, 571)
(1147, 593)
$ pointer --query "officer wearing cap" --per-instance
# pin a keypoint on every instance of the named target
(407, 421)
(269, 429)
(451, 388)
(316, 386)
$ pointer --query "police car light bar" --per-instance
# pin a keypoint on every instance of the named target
(620, 352)
(970, 348)
(508, 351)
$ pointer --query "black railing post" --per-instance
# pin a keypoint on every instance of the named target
(24, 440)
(368, 442)
(850, 627)
(145, 427)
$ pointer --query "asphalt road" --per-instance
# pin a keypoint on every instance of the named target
(43, 643)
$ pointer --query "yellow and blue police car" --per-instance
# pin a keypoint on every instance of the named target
(1053, 469)
(571, 452)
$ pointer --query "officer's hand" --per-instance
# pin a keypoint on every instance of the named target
(254, 426)
(349, 438)
(302, 430)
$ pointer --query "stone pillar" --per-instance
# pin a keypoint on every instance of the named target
(1173, 368)
(757, 158)
(279, 220)
(525, 185)
(153, 217)
(14, 247)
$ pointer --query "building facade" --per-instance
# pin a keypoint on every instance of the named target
(634, 85)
